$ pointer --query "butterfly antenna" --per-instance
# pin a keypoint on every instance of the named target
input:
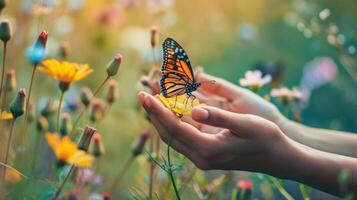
(208, 82)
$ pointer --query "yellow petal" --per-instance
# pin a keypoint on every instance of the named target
(66, 149)
(81, 159)
(181, 105)
(5, 115)
(12, 175)
(53, 140)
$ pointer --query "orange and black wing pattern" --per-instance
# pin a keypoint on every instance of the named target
(177, 75)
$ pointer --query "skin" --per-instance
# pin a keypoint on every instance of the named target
(224, 136)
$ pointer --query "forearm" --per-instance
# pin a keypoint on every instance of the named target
(318, 169)
(325, 140)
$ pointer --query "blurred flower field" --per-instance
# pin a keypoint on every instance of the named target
(71, 126)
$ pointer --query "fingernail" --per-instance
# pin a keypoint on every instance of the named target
(199, 113)
(145, 101)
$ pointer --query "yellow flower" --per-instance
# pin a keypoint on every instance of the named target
(5, 115)
(65, 72)
(180, 105)
(12, 175)
(67, 151)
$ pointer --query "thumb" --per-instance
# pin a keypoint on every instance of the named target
(241, 124)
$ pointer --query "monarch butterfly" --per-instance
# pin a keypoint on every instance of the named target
(177, 75)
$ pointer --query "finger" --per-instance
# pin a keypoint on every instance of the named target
(220, 87)
(182, 131)
(202, 127)
(240, 124)
(177, 145)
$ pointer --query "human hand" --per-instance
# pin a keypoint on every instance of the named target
(230, 97)
(246, 142)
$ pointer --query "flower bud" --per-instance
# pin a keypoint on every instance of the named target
(97, 110)
(66, 124)
(86, 96)
(86, 138)
(17, 107)
(106, 196)
(64, 50)
(48, 109)
(42, 39)
(2, 5)
(244, 190)
(36, 53)
(112, 92)
(5, 31)
(41, 124)
(140, 144)
(154, 36)
(113, 66)
(10, 81)
(98, 149)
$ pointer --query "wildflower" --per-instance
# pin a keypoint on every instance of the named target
(112, 92)
(98, 149)
(181, 105)
(254, 80)
(12, 175)
(17, 107)
(36, 53)
(42, 39)
(154, 36)
(10, 80)
(140, 144)
(65, 72)
(97, 110)
(324, 14)
(5, 31)
(244, 190)
(87, 176)
(283, 94)
(113, 66)
(2, 5)
(86, 96)
(66, 125)
(5, 115)
(86, 138)
(41, 124)
(67, 151)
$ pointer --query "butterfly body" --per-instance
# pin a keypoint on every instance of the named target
(177, 75)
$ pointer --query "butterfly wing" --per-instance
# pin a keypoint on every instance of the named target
(176, 69)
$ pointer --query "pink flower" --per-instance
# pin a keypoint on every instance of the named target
(244, 185)
(286, 95)
(254, 80)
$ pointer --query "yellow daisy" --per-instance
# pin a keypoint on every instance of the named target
(65, 72)
(67, 151)
(180, 105)
(5, 115)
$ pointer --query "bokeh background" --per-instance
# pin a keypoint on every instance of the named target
(226, 38)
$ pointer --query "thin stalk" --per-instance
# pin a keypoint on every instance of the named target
(152, 169)
(59, 190)
(8, 145)
(170, 169)
(29, 94)
(3, 68)
(121, 174)
(59, 112)
(24, 129)
(95, 93)
(280, 188)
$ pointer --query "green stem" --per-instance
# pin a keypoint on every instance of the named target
(170, 169)
(59, 190)
(59, 112)
(280, 188)
(8, 145)
(3, 68)
(121, 174)
(95, 93)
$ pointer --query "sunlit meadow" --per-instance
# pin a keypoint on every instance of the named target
(71, 126)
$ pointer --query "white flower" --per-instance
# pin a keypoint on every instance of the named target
(286, 93)
(254, 79)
